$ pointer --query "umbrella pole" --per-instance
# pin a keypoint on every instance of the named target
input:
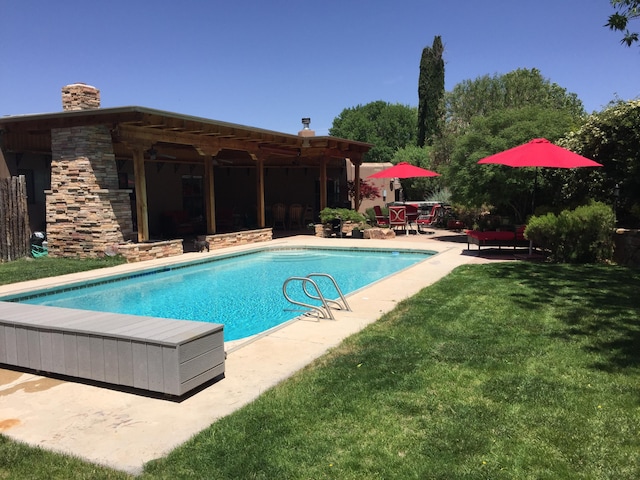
(533, 194)
(533, 205)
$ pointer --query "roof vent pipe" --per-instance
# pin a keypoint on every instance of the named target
(306, 131)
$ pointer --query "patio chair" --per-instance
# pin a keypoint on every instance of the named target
(307, 216)
(412, 215)
(429, 219)
(279, 213)
(398, 217)
(381, 219)
(295, 216)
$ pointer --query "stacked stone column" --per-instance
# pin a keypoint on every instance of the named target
(87, 214)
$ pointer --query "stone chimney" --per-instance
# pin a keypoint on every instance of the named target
(80, 96)
(87, 213)
(306, 131)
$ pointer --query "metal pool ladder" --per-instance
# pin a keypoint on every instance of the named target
(323, 311)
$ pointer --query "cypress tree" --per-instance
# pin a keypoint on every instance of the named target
(430, 93)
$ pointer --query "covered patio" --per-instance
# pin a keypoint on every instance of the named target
(97, 177)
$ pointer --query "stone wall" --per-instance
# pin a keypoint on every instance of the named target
(85, 210)
(627, 247)
(325, 231)
(139, 252)
(244, 237)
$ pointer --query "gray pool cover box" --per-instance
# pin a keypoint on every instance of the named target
(148, 353)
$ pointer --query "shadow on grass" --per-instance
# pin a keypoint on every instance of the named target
(598, 304)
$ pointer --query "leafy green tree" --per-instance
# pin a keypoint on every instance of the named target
(516, 89)
(430, 93)
(491, 114)
(508, 190)
(612, 138)
(627, 10)
(387, 126)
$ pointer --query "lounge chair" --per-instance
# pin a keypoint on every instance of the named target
(503, 238)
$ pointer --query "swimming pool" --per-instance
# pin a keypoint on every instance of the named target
(241, 291)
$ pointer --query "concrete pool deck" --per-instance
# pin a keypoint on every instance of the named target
(125, 430)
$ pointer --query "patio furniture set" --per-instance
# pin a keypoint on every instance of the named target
(409, 216)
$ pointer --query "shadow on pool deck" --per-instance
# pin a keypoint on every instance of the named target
(125, 430)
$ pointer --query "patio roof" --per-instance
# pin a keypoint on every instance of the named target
(177, 138)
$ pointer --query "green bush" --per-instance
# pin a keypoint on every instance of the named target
(583, 235)
(371, 216)
(345, 214)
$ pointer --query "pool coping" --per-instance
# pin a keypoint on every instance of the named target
(124, 430)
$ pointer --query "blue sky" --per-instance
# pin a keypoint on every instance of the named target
(268, 63)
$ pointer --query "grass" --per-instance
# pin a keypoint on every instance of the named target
(500, 371)
(33, 268)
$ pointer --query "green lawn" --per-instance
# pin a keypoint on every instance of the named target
(498, 371)
(43, 267)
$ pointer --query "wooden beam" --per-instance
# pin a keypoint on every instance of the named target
(357, 199)
(323, 184)
(140, 135)
(209, 194)
(260, 192)
(142, 212)
(4, 168)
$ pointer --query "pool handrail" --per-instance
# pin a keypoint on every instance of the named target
(322, 312)
(339, 306)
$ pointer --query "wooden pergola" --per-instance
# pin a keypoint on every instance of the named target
(144, 135)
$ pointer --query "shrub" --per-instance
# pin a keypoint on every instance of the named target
(344, 214)
(583, 235)
(370, 214)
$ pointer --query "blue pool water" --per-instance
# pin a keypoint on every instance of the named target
(243, 292)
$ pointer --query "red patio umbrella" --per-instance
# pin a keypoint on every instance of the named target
(404, 170)
(540, 152)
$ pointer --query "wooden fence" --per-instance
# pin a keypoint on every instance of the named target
(14, 219)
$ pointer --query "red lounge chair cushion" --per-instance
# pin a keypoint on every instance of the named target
(487, 236)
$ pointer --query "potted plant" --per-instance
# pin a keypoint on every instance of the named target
(334, 218)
